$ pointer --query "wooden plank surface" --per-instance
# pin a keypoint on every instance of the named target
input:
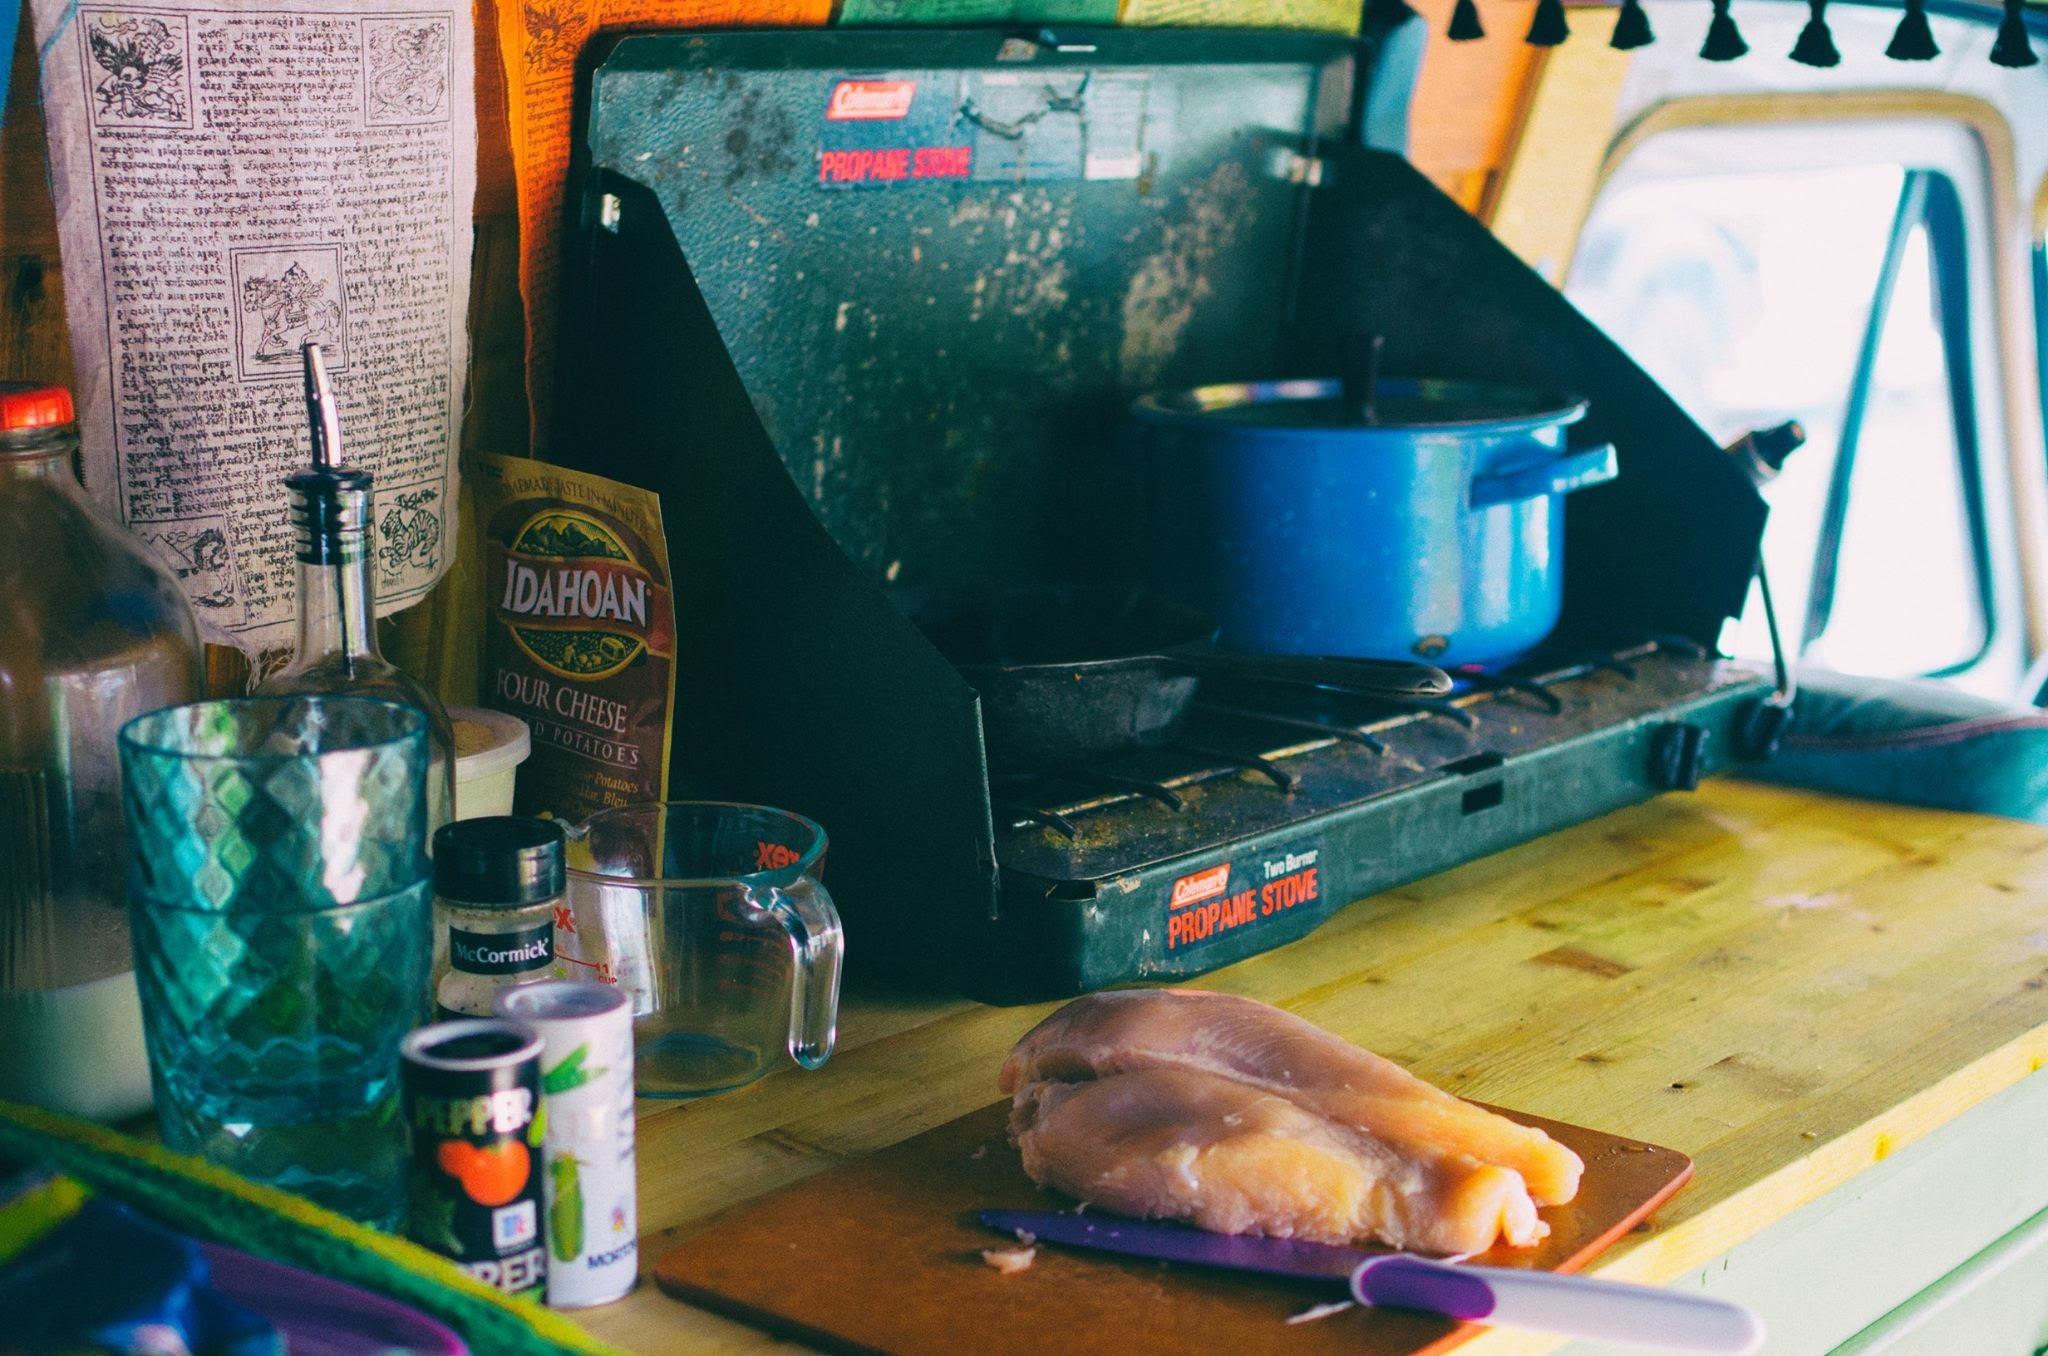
(1840, 1263)
(884, 1254)
(1787, 987)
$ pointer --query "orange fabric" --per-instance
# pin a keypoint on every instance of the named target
(1469, 98)
(538, 41)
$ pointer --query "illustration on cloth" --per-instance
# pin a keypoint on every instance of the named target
(407, 69)
(197, 553)
(145, 78)
(554, 33)
(412, 534)
(288, 297)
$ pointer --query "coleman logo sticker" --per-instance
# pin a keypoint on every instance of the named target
(575, 600)
(870, 100)
(1200, 886)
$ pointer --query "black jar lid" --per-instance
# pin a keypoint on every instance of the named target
(504, 861)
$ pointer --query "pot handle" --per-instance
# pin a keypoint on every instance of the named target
(1379, 677)
(1575, 470)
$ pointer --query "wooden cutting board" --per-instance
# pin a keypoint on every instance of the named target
(883, 1254)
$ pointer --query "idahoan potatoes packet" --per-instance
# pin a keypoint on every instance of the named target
(579, 636)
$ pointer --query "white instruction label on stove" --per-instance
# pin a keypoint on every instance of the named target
(1216, 901)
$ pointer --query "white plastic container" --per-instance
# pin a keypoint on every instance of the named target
(76, 1049)
(489, 747)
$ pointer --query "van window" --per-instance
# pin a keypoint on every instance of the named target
(1814, 292)
(1907, 547)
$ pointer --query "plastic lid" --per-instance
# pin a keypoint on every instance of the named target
(557, 1000)
(25, 406)
(473, 1045)
(487, 741)
(503, 860)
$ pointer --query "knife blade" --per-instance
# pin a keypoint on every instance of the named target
(1178, 1243)
(1575, 1306)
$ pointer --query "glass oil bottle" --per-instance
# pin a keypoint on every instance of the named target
(336, 644)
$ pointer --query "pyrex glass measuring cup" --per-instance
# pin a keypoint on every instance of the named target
(712, 916)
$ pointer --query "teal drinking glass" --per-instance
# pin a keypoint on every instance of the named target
(280, 900)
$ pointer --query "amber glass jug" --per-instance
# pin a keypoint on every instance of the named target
(93, 631)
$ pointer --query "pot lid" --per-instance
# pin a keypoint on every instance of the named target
(1400, 405)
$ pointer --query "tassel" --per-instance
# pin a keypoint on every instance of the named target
(1631, 28)
(1548, 28)
(2012, 48)
(1914, 40)
(1724, 40)
(1465, 23)
(1816, 46)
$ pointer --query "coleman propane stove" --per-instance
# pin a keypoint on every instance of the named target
(1277, 806)
(867, 308)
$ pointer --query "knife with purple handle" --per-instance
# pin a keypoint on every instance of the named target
(1573, 1306)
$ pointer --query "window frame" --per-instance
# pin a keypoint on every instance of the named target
(1928, 200)
(2020, 529)
(2035, 684)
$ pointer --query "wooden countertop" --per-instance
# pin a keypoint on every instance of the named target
(1786, 986)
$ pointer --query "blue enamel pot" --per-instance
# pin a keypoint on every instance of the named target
(1435, 531)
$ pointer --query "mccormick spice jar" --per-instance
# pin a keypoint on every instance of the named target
(498, 884)
(472, 1105)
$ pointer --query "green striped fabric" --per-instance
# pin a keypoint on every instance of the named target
(195, 1197)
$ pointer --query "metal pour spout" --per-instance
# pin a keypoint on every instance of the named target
(322, 417)
(330, 509)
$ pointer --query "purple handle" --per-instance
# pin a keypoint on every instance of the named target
(1402, 1282)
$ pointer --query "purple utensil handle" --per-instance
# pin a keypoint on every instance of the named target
(1575, 1306)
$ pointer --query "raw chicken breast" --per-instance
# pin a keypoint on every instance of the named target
(1178, 1144)
(1257, 1044)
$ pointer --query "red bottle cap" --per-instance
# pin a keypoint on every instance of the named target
(25, 406)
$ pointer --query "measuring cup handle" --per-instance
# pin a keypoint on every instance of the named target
(807, 915)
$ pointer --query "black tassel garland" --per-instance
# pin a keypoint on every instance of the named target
(1465, 23)
(1631, 28)
(1914, 40)
(2012, 48)
(1548, 28)
(1816, 46)
(1724, 40)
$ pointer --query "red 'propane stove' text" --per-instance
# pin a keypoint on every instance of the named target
(1189, 922)
(895, 163)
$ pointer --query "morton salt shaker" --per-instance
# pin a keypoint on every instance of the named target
(586, 1083)
(498, 882)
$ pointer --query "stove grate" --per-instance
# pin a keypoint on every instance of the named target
(1350, 734)
(1237, 734)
